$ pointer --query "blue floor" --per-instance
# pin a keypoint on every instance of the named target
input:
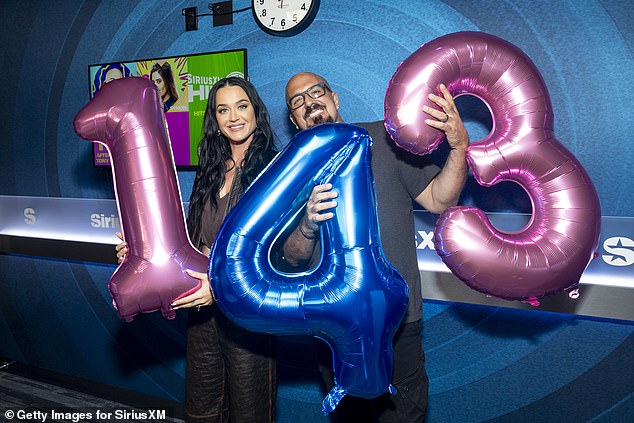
(497, 365)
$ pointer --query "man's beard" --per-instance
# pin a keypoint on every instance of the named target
(320, 118)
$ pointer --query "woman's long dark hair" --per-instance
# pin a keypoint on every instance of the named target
(165, 70)
(214, 152)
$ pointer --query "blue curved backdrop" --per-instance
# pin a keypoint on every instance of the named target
(484, 363)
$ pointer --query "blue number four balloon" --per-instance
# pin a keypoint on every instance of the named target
(354, 299)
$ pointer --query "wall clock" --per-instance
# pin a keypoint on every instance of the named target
(284, 18)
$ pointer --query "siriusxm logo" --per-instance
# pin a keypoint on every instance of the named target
(101, 221)
(620, 251)
(29, 216)
(427, 240)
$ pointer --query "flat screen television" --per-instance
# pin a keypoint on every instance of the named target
(184, 82)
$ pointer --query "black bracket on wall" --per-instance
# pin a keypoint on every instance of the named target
(222, 13)
(191, 18)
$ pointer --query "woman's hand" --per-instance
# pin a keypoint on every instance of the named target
(121, 248)
(202, 297)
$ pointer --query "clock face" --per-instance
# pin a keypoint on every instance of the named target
(284, 17)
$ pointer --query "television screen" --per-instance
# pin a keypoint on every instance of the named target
(184, 83)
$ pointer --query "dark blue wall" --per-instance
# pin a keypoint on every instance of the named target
(483, 362)
(583, 50)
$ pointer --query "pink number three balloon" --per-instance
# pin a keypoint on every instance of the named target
(551, 252)
(127, 116)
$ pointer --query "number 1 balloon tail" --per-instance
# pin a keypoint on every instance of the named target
(126, 115)
(552, 251)
(353, 299)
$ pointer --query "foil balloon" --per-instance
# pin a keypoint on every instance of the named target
(354, 299)
(126, 116)
(551, 252)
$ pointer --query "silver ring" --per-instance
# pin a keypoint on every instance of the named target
(446, 118)
(198, 308)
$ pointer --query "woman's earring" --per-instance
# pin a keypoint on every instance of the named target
(218, 132)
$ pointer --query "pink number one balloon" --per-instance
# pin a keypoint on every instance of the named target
(555, 247)
(126, 116)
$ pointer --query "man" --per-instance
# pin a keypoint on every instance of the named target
(400, 177)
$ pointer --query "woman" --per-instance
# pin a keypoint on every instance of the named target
(163, 78)
(230, 373)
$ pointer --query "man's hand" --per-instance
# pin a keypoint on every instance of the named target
(444, 190)
(300, 244)
(448, 120)
(321, 199)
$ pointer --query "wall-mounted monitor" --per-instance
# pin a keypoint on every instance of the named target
(184, 83)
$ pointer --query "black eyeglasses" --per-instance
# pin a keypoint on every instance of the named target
(314, 92)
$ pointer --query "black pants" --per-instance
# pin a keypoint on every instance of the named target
(408, 404)
(230, 375)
